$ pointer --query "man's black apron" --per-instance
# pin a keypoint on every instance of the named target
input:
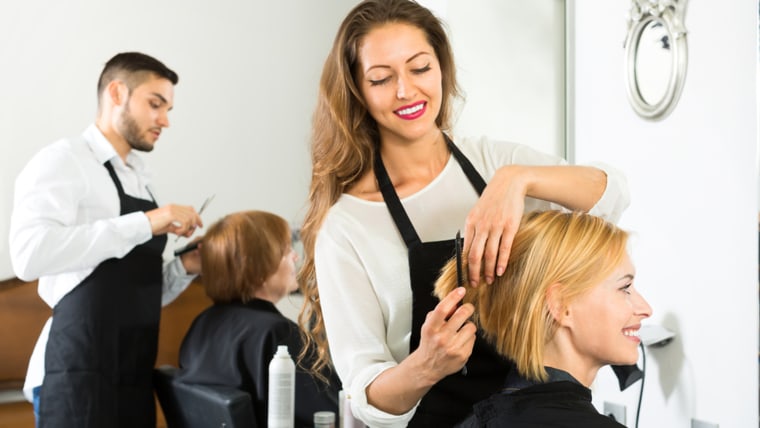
(451, 399)
(104, 338)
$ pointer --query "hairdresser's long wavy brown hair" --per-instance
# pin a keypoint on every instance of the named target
(576, 250)
(344, 135)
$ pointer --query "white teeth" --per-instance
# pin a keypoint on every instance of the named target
(634, 333)
(411, 110)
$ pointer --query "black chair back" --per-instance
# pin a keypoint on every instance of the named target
(201, 406)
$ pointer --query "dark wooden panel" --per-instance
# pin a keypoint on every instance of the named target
(22, 315)
(176, 318)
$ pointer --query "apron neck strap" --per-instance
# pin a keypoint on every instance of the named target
(115, 179)
(392, 201)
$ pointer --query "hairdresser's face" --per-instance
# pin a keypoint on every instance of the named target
(283, 281)
(400, 80)
(605, 322)
(146, 112)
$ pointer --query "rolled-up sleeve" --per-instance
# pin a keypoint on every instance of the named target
(176, 280)
(371, 415)
(616, 196)
(610, 206)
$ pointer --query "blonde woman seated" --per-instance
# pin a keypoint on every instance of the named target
(248, 265)
(565, 307)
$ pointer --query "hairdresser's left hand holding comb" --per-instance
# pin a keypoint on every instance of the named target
(447, 339)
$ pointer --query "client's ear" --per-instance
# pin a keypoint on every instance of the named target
(557, 307)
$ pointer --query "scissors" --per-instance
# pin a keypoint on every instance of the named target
(200, 211)
(206, 203)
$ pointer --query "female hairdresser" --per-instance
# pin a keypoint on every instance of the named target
(389, 191)
(248, 266)
(565, 307)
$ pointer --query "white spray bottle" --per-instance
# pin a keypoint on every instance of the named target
(282, 380)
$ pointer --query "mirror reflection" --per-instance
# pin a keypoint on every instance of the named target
(654, 62)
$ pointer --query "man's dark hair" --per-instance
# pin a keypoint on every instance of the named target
(132, 67)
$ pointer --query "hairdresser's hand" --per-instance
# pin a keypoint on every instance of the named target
(192, 259)
(446, 342)
(492, 223)
(180, 220)
(447, 337)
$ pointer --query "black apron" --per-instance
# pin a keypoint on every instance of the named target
(104, 339)
(451, 399)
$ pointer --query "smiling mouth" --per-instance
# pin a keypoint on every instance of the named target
(631, 332)
(411, 112)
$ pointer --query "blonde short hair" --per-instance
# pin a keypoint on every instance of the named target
(575, 250)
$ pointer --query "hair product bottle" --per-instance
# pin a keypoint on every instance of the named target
(281, 400)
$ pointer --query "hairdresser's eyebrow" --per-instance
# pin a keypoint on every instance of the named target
(627, 276)
(416, 55)
(412, 58)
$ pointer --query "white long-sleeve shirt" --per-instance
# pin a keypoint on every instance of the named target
(363, 272)
(66, 221)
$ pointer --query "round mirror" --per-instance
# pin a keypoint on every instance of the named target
(656, 63)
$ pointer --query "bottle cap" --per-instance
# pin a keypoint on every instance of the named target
(324, 418)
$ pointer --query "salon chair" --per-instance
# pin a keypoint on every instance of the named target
(201, 406)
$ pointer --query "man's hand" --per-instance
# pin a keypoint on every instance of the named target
(180, 220)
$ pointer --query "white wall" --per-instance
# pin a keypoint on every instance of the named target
(510, 64)
(249, 73)
(693, 180)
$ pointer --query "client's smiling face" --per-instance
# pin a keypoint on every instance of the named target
(605, 321)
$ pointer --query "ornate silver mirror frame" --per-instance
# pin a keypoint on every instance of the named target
(656, 56)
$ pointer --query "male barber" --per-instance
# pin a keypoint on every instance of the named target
(87, 224)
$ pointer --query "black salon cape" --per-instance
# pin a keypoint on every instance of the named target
(554, 404)
(232, 344)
